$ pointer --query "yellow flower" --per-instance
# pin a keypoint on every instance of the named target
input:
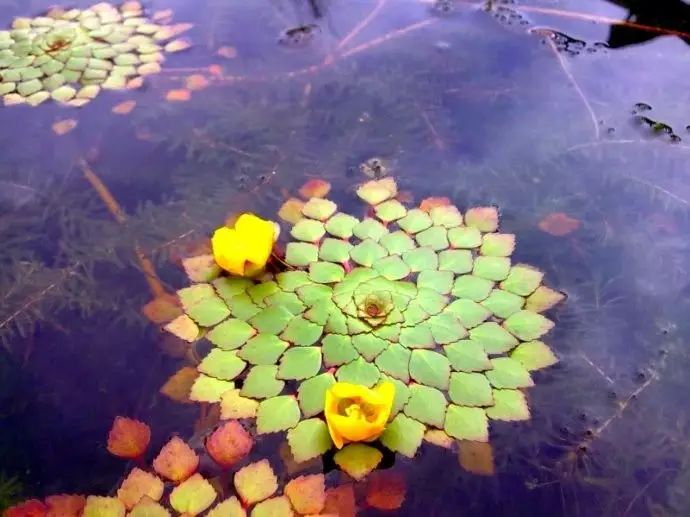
(244, 249)
(355, 413)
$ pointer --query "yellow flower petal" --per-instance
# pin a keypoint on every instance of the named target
(225, 244)
(244, 249)
(257, 237)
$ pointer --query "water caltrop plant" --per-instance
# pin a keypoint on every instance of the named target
(425, 300)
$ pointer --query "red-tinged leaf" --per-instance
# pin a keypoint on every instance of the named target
(64, 505)
(439, 438)
(128, 438)
(176, 461)
(138, 484)
(162, 309)
(315, 188)
(179, 95)
(386, 490)
(196, 82)
(307, 494)
(179, 385)
(215, 70)
(558, 224)
(227, 52)
(291, 211)
(340, 501)
(229, 444)
(30, 508)
(476, 457)
(256, 482)
(62, 127)
(124, 108)
(432, 202)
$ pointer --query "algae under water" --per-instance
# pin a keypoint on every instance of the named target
(571, 117)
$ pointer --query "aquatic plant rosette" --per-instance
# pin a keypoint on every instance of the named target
(426, 298)
(69, 55)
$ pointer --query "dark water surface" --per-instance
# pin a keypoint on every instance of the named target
(539, 108)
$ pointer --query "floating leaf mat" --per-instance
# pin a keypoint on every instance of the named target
(426, 298)
(70, 55)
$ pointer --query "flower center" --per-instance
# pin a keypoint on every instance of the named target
(372, 309)
(357, 410)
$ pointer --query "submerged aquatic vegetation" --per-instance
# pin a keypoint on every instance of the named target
(69, 55)
(424, 300)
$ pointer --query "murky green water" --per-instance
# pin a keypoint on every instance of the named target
(529, 107)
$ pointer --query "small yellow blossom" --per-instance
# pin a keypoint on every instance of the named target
(244, 249)
(356, 413)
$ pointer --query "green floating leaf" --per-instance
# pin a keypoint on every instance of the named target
(290, 281)
(509, 405)
(222, 364)
(470, 389)
(447, 215)
(301, 254)
(491, 268)
(326, 273)
(264, 349)
(201, 269)
(534, 355)
(484, 218)
(392, 268)
(302, 332)
(508, 373)
(358, 371)
(300, 363)
(259, 292)
(468, 312)
(369, 346)
(183, 327)
(202, 304)
(414, 315)
(446, 328)
(395, 361)
(320, 312)
(430, 368)
(337, 324)
(528, 325)
(472, 287)
(209, 389)
(390, 333)
(455, 261)
(467, 356)
(369, 229)
(317, 208)
(431, 301)
(467, 423)
(464, 237)
(341, 225)
(415, 221)
(309, 439)
(522, 280)
(543, 299)
(435, 238)
(312, 394)
(261, 383)
(420, 259)
(427, 405)
(242, 307)
(403, 435)
(502, 303)
(377, 191)
(314, 293)
(397, 243)
(358, 460)
(498, 245)
(277, 414)
(494, 338)
(390, 210)
(367, 253)
(439, 281)
(417, 337)
(335, 250)
(272, 320)
(308, 230)
(289, 301)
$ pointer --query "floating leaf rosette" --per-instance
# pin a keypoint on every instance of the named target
(427, 299)
(70, 55)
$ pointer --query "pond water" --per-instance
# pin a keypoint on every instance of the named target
(540, 108)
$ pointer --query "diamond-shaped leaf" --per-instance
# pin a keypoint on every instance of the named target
(509, 405)
(472, 287)
(301, 253)
(263, 349)
(290, 280)
(228, 287)
(528, 325)
(234, 406)
(484, 218)
(277, 414)
(290, 301)
(314, 293)
(222, 364)
(335, 250)
(456, 261)
(395, 361)
(317, 208)
(522, 280)
(448, 216)
(338, 350)
(397, 243)
(341, 225)
(326, 273)
(183, 327)
(261, 382)
(430, 300)
(312, 394)
(498, 244)
(435, 238)
(508, 373)
(534, 355)
(320, 312)
(369, 229)
(417, 337)
(201, 269)
(430, 368)
(203, 305)
(358, 371)
(543, 299)
(403, 435)
(209, 389)
(368, 345)
(470, 389)
(467, 423)
(358, 460)
(439, 281)
(367, 253)
(502, 303)
(308, 230)
(256, 482)
(420, 259)
(300, 363)
(242, 307)
(467, 356)
(468, 312)
(377, 191)
(491, 268)
(231, 507)
(309, 439)
(428, 405)
(272, 319)
(390, 210)
(392, 268)
(464, 237)
(192, 496)
(259, 292)
(446, 328)
(278, 506)
(494, 338)
(230, 334)
(302, 332)
(415, 221)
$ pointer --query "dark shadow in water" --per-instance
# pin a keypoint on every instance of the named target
(668, 14)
